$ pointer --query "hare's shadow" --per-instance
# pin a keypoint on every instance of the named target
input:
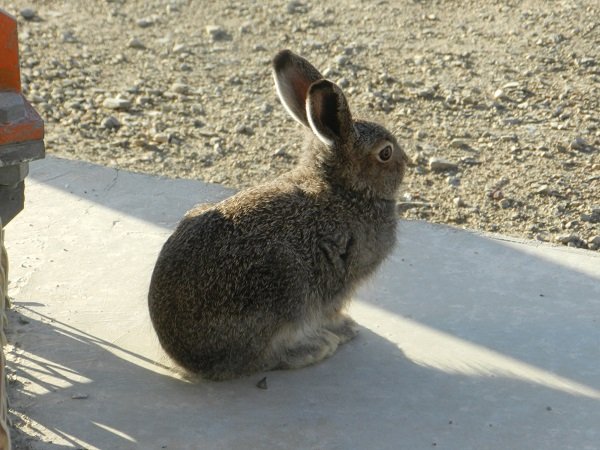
(75, 390)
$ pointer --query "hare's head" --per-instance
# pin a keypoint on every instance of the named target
(359, 155)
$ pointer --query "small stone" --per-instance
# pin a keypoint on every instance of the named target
(136, 43)
(28, 13)
(343, 83)
(499, 94)
(244, 129)
(341, 60)
(594, 242)
(544, 189)
(459, 143)
(162, 138)
(23, 320)
(587, 62)
(68, 37)
(512, 121)
(458, 202)
(79, 396)
(511, 85)
(427, 93)
(173, 8)
(116, 103)
(469, 161)
(566, 238)
(296, 7)
(420, 134)
(217, 33)
(496, 194)
(144, 22)
(197, 108)
(262, 383)
(593, 217)
(453, 181)
(281, 151)
(181, 48)
(579, 144)
(111, 123)
(180, 88)
(505, 203)
(441, 164)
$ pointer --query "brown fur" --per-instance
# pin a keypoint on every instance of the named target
(260, 280)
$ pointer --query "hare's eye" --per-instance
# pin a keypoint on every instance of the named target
(385, 153)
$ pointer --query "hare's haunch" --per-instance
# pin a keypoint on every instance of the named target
(260, 280)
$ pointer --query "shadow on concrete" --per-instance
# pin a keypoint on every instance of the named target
(158, 200)
(469, 341)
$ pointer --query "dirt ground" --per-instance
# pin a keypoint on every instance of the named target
(505, 93)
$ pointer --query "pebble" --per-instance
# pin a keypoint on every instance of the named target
(244, 129)
(567, 238)
(341, 60)
(111, 123)
(162, 138)
(197, 108)
(594, 242)
(459, 143)
(453, 181)
(544, 189)
(441, 164)
(426, 93)
(68, 37)
(499, 94)
(144, 22)
(262, 383)
(116, 103)
(180, 88)
(579, 144)
(135, 43)
(296, 7)
(281, 151)
(181, 48)
(420, 134)
(28, 13)
(217, 33)
(458, 202)
(79, 396)
(594, 217)
(343, 83)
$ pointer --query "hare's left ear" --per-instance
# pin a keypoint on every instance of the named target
(293, 76)
(328, 113)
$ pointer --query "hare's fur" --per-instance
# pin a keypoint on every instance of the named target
(260, 280)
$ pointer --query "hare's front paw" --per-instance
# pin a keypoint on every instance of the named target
(343, 326)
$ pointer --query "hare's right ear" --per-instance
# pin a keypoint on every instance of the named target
(293, 76)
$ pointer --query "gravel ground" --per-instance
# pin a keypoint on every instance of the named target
(497, 102)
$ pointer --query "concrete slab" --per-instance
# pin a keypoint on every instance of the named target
(467, 342)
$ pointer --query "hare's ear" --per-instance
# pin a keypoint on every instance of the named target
(328, 112)
(293, 76)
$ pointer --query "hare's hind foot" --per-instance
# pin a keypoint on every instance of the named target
(343, 326)
(306, 351)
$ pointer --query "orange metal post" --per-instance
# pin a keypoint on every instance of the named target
(19, 122)
(10, 76)
(21, 141)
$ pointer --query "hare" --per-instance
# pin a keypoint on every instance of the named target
(260, 281)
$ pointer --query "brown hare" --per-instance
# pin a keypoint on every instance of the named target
(260, 280)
